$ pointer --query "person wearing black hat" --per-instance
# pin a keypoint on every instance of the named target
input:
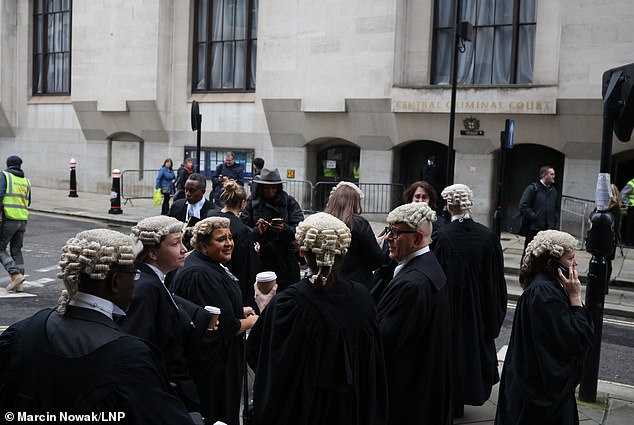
(15, 195)
(273, 215)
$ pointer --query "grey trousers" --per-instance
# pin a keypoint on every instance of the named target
(12, 232)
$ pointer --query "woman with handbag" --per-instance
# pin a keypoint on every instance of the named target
(165, 183)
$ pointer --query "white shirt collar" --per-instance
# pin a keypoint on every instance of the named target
(193, 210)
(93, 302)
(411, 255)
(460, 216)
(161, 277)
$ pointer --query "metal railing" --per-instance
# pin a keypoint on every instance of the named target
(137, 184)
(575, 217)
(380, 198)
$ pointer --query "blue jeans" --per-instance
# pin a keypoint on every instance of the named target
(12, 232)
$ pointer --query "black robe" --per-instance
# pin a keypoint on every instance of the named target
(471, 256)
(217, 370)
(364, 254)
(278, 250)
(158, 317)
(81, 363)
(415, 323)
(544, 357)
(245, 261)
(318, 358)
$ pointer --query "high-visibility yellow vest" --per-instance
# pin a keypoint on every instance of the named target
(630, 196)
(16, 197)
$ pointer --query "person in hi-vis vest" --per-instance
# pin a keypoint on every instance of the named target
(15, 195)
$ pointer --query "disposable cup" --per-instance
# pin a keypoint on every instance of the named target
(215, 313)
(266, 281)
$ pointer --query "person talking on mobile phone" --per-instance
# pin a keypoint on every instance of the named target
(552, 330)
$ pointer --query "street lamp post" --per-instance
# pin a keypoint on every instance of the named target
(462, 32)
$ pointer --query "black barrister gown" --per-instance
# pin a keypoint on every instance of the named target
(318, 358)
(217, 371)
(156, 316)
(471, 256)
(245, 261)
(364, 254)
(415, 323)
(81, 363)
(544, 357)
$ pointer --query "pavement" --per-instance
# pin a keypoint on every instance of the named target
(615, 402)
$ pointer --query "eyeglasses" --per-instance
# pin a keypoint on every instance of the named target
(394, 233)
(136, 273)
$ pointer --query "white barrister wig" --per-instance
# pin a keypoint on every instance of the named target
(350, 185)
(552, 242)
(412, 214)
(151, 230)
(459, 195)
(325, 236)
(93, 253)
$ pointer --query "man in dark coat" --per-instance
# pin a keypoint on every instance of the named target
(75, 359)
(194, 207)
(539, 204)
(471, 256)
(184, 171)
(228, 170)
(415, 322)
(273, 214)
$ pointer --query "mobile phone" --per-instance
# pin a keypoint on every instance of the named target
(277, 221)
(556, 265)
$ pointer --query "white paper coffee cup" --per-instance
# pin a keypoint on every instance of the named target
(215, 313)
(266, 281)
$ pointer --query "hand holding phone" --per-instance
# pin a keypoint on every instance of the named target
(556, 265)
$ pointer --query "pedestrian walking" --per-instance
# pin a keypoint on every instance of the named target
(165, 183)
(539, 204)
(15, 190)
(182, 174)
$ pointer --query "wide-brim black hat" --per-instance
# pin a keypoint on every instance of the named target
(269, 177)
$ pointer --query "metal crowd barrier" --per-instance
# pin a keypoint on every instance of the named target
(137, 184)
(575, 217)
(380, 198)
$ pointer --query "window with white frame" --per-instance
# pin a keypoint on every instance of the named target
(502, 50)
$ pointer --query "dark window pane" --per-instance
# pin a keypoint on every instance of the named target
(469, 8)
(216, 65)
(486, 12)
(228, 66)
(502, 55)
(444, 13)
(443, 52)
(527, 11)
(201, 21)
(504, 12)
(483, 56)
(526, 54)
(51, 47)
(225, 56)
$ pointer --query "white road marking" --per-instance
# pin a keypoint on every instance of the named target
(47, 269)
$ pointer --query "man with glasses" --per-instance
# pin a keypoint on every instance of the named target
(414, 320)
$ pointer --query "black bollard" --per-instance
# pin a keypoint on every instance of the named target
(115, 194)
(73, 179)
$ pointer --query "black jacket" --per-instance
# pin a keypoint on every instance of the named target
(278, 251)
(540, 205)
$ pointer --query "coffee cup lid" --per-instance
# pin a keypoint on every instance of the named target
(212, 309)
(265, 276)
